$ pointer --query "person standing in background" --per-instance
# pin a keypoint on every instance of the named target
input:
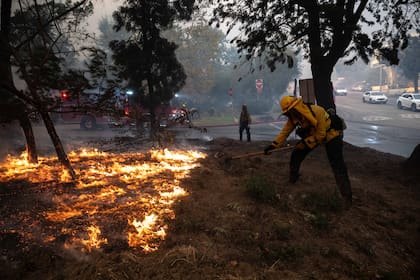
(244, 122)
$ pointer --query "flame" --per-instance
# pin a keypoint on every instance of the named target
(94, 241)
(112, 190)
(146, 231)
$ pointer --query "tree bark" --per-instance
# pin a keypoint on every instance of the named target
(26, 125)
(62, 156)
(320, 65)
(154, 125)
(322, 83)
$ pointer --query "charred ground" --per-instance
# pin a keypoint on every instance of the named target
(245, 221)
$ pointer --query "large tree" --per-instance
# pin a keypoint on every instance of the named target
(40, 34)
(410, 62)
(12, 108)
(108, 33)
(324, 30)
(147, 60)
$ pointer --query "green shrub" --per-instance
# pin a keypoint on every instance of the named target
(260, 189)
(323, 202)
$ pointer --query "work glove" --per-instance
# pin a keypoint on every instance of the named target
(310, 142)
(331, 111)
(268, 149)
(301, 145)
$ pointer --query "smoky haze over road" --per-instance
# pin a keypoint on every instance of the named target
(382, 127)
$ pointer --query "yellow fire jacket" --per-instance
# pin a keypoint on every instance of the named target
(316, 121)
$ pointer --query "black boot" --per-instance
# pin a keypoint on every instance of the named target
(298, 155)
(293, 176)
(344, 187)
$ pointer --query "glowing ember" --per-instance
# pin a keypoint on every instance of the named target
(147, 230)
(94, 241)
(124, 196)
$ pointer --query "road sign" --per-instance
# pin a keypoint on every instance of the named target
(307, 91)
(259, 85)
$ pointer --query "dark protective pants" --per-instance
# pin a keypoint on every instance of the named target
(334, 150)
(245, 127)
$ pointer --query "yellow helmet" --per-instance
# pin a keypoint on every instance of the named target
(288, 102)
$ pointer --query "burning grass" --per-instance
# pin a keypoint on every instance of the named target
(120, 200)
(118, 220)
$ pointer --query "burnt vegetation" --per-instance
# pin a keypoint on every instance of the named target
(138, 213)
(252, 223)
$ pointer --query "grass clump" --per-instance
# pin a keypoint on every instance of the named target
(260, 189)
(322, 202)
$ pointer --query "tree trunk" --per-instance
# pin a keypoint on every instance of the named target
(13, 109)
(154, 129)
(321, 65)
(154, 125)
(26, 125)
(62, 156)
(321, 74)
(416, 83)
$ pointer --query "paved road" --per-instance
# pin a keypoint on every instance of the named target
(379, 126)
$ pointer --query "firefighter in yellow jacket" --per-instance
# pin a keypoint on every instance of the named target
(313, 126)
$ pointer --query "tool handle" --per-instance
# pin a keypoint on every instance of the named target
(262, 152)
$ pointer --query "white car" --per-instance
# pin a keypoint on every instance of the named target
(374, 97)
(340, 92)
(410, 101)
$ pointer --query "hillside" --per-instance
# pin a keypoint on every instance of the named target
(241, 220)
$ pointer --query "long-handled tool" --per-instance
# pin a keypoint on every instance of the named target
(228, 160)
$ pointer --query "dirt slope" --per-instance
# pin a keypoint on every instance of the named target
(245, 221)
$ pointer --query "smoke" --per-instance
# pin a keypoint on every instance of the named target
(12, 140)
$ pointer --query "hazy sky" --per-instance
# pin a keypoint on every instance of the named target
(102, 8)
(105, 8)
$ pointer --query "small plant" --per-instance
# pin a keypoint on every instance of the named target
(323, 202)
(260, 189)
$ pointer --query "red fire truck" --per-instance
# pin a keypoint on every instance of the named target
(122, 113)
(82, 110)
